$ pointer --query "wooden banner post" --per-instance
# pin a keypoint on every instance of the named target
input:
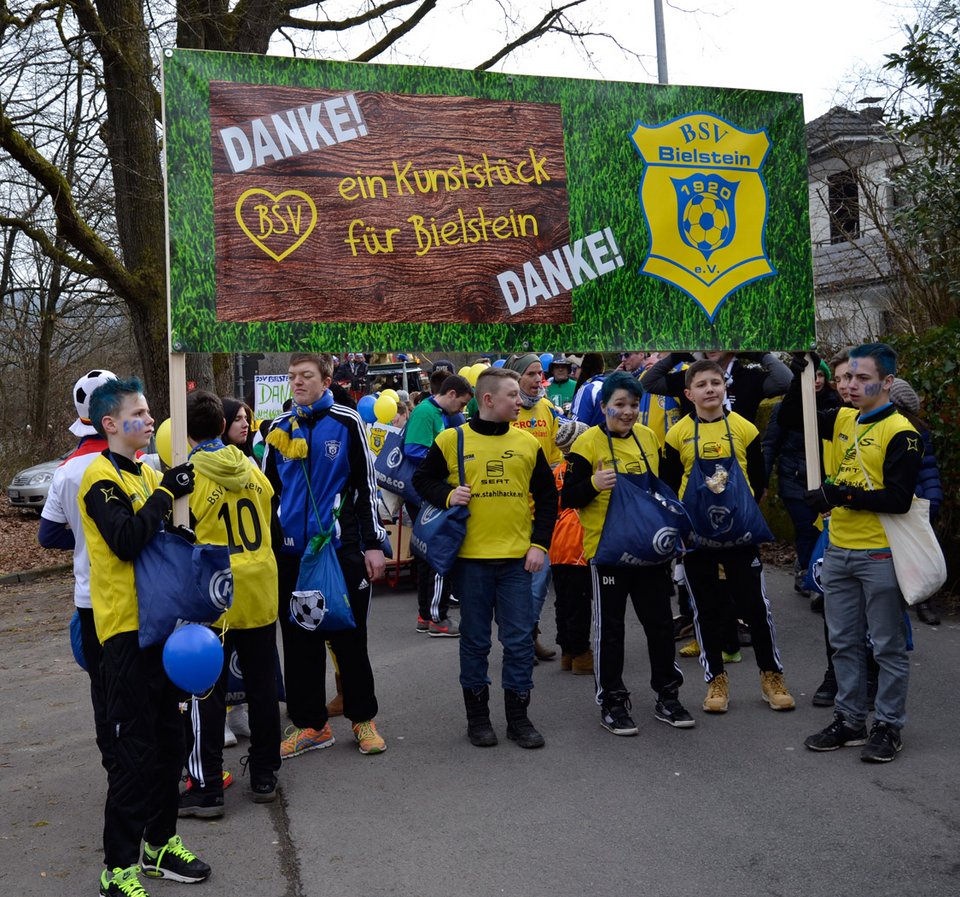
(811, 437)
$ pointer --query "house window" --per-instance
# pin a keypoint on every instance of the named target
(844, 200)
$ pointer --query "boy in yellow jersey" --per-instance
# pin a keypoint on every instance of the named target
(122, 505)
(231, 505)
(540, 418)
(622, 445)
(506, 543)
(877, 455)
(709, 434)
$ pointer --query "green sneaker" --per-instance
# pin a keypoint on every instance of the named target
(736, 657)
(173, 861)
(122, 883)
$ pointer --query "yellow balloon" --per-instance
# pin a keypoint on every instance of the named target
(393, 395)
(464, 370)
(385, 408)
(164, 443)
(475, 371)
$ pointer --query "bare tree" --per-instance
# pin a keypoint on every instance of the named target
(110, 47)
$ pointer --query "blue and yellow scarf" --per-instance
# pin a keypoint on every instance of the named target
(286, 436)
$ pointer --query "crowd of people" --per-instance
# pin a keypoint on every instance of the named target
(642, 481)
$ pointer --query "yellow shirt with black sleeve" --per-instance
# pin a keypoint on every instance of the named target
(714, 443)
(540, 421)
(591, 451)
(122, 505)
(231, 505)
(889, 458)
(505, 468)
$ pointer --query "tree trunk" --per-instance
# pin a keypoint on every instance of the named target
(132, 141)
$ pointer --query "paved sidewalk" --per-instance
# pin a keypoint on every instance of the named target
(735, 806)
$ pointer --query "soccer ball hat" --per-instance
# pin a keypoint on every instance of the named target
(82, 390)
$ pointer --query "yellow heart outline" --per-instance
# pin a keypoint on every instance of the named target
(275, 199)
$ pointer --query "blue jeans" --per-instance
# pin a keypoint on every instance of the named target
(861, 595)
(488, 591)
(539, 586)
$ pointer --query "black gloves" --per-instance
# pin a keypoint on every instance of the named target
(798, 362)
(830, 495)
(823, 499)
(178, 481)
(184, 532)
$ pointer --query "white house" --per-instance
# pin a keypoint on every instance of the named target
(850, 158)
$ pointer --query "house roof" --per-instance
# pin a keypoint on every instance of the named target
(842, 126)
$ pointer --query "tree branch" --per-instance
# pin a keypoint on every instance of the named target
(544, 26)
(395, 34)
(343, 24)
(101, 261)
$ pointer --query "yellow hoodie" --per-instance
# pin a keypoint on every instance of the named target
(230, 505)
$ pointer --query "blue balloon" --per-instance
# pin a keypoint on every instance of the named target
(545, 360)
(500, 362)
(193, 658)
(365, 409)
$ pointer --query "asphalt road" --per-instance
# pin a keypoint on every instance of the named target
(735, 806)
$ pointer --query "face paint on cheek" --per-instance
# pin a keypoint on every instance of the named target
(612, 412)
(872, 389)
(132, 426)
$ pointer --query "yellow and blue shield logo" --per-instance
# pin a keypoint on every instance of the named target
(705, 204)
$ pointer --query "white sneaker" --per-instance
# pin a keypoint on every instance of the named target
(229, 739)
(239, 720)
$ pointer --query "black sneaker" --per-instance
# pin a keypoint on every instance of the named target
(201, 804)
(837, 735)
(826, 694)
(672, 712)
(883, 745)
(263, 788)
(173, 861)
(682, 628)
(615, 718)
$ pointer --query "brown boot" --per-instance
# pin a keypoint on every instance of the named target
(335, 707)
(541, 652)
(583, 664)
(566, 662)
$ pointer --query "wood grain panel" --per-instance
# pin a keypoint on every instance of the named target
(423, 279)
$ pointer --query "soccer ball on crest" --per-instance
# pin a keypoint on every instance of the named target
(706, 223)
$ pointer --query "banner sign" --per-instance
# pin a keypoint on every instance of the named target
(319, 205)
(270, 391)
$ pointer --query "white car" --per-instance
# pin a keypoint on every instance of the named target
(29, 487)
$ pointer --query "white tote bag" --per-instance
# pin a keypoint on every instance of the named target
(917, 557)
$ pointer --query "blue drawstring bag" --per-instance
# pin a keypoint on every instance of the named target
(438, 533)
(645, 523)
(321, 600)
(236, 687)
(178, 581)
(76, 641)
(811, 582)
(394, 470)
(727, 515)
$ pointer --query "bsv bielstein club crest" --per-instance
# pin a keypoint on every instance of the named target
(705, 204)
